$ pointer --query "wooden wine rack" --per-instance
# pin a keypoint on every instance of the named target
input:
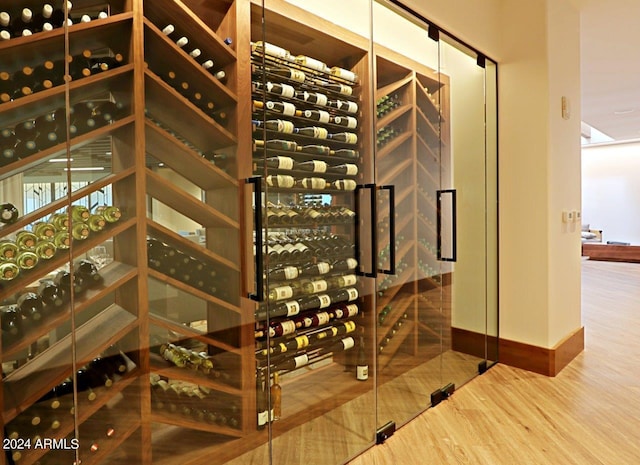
(158, 180)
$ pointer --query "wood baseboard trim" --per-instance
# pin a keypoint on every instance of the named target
(548, 362)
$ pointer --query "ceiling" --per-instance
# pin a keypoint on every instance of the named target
(610, 66)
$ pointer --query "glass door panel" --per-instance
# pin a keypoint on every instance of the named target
(464, 171)
(313, 331)
(409, 295)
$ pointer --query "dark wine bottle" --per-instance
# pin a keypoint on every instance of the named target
(89, 272)
(21, 23)
(57, 17)
(51, 295)
(8, 213)
(31, 307)
(11, 323)
(64, 281)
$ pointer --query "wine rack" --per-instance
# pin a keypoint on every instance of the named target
(412, 134)
(170, 128)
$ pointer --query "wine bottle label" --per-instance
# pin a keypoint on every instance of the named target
(345, 184)
(311, 63)
(263, 417)
(272, 50)
(347, 343)
(301, 247)
(352, 169)
(349, 311)
(349, 107)
(283, 89)
(323, 267)
(314, 183)
(319, 115)
(319, 166)
(349, 280)
(325, 300)
(290, 272)
(302, 341)
(349, 326)
(344, 74)
(348, 121)
(318, 286)
(281, 181)
(353, 293)
(286, 127)
(293, 308)
(345, 90)
(323, 318)
(276, 247)
(321, 99)
(285, 163)
(300, 360)
(362, 372)
(306, 322)
(288, 327)
(286, 292)
(319, 133)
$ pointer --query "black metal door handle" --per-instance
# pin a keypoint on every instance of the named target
(258, 296)
(392, 230)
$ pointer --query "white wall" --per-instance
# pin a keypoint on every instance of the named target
(611, 191)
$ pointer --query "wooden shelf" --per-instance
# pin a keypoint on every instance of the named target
(393, 145)
(391, 174)
(163, 368)
(31, 381)
(184, 422)
(185, 161)
(45, 267)
(394, 86)
(163, 55)
(393, 115)
(164, 191)
(114, 275)
(192, 290)
(427, 106)
(163, 12)
(190, 333)
(166, 235)
(172, 109)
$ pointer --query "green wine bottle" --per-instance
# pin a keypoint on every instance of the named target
(45, 249)
(60, 221)
(26, 240)
(79, 213)
(61, 240)
(80, 231)
(96, 222)
(8, 250)
(26, 259)
(8, 271)
(111, 214)
(44, 230)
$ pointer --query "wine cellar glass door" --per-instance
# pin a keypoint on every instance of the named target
(411, 156)
(313, 330)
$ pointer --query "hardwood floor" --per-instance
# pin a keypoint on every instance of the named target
(587, 415)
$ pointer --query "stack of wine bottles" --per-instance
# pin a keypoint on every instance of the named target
(387, 104)
(49, 129)
(305, 214)
(189, 270)
(46, 237)
(385, 135)
(56, 407)
(32, 309)
(50, 73)
(198, 403)
(392, 332)
(221, 160)
(207, 63)
(196, 97)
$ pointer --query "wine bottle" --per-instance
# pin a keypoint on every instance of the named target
(79, 213)
(63, 281)
(26, 240)
(277, 144)
(5, 23)
(344, 184)
(313, 97)
(221, 76)
(316, 132)
(344, 295)
(276, 397)
(346, 121)
(317, 115)
(344, 74)
(362, 365)
(262, 402)
(62, 240)
(335, 87)
(344, 264)
(292, 363)
(57, 17)
(83, 118)
(22, 23)
(26, 259)
(89, 272)
(315, 166)
(110, 213)
(312, 183)
(278, 88)
(280, 163)
(51, 295)
(25, 130)
(8, 271)
(8, 213)
(96, 223)
(280, 293)
(44, 230)
(282, 181)
(289, 308)
(80, 65)
(83, 384)
(278, 125)
(346, 153)
(312, 63)
(295, 75)
(80, 231)
(11, 322)
(348, 137)
(45, 249)
(315, 149)
(344, 105)
(285, 108)
(270, 49)
(348, 169)
(221, 117)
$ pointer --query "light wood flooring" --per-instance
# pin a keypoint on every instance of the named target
(587, 415)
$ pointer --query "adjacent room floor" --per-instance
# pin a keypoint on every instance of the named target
(587, 415)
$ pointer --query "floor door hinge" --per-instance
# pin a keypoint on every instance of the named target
(385, 432)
